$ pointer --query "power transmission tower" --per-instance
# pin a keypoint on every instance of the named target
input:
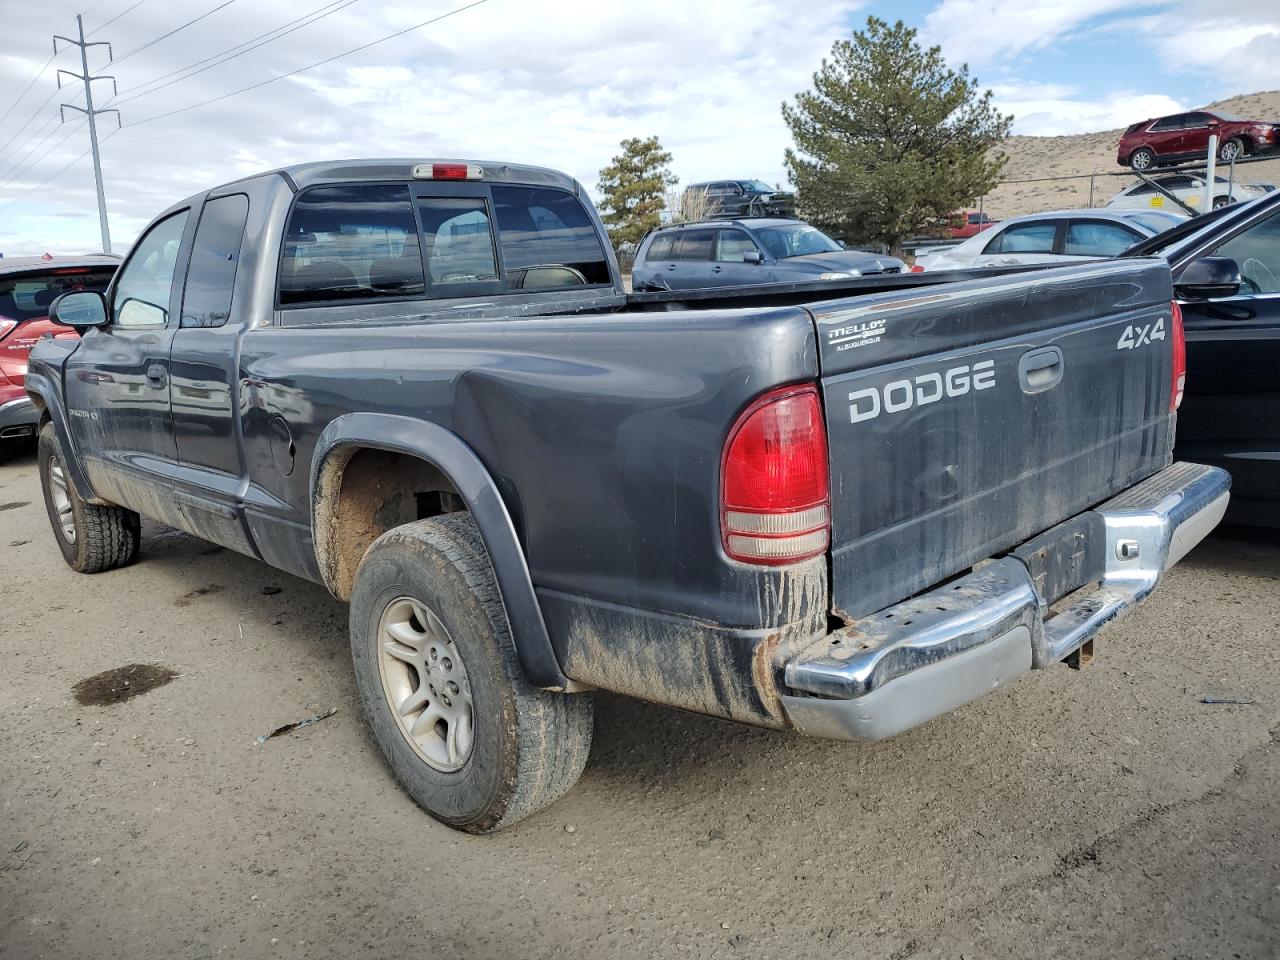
(91, 113)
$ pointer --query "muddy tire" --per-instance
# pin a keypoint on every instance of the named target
(474, 744)
(92, 538)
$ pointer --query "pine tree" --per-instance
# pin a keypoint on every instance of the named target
(890, 139)
(634, 188)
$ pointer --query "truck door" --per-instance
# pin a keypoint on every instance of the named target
(1230, 416)
(118, 380)
(204, 378)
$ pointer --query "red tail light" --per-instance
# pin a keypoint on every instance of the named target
(1179, 358)
(775, 503)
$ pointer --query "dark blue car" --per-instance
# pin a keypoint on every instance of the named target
(733, 252)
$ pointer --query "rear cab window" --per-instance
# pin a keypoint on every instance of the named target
(398, 241)
(27, 296)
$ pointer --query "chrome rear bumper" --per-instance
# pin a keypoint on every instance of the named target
(931, 654)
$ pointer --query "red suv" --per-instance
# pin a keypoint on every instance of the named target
(1185, 136)
(968, 223)
(27, 286)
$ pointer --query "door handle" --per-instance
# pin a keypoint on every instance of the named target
(156, 375)
(671, 266)
(1040, 369)
(716, 269)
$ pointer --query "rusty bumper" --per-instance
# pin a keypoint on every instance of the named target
(931, 654)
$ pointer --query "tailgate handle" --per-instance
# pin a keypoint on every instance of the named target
(1040, 369)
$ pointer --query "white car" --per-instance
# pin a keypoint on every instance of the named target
(1187, 187)
(1061, 236)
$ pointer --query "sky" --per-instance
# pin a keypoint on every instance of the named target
(556, 83)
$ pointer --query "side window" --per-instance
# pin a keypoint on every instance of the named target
(356, 242)
(732, 244)
(548, 240)
(1024, 238)
(457, 237)
(1169, 123)
(659, 247)
(695, 245)
(1257, 250)
(1195, 120)
(215, 255)
(1097, 238)
(141, 298)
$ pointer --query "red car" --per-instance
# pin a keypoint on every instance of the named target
(968, 223)
(27, 286)
(1185, 136)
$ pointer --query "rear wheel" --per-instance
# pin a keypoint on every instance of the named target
(1223, 201)
(1233, 149)
(474, 744)
(92, 537)
(1142, 159)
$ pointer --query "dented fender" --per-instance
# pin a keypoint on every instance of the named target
(444, 450)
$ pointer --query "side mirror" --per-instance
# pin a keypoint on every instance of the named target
(80, 309)
(753, 256)
(843, 245)
(1208, 278)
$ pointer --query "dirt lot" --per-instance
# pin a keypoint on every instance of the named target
(1103, 814)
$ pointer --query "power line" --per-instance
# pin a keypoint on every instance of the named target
(126, 10)
(17, 172)
(22, 126)
(30, 83)
(34, 143)
(48, 180)
(166, 36)
(314, 16)
(312, 66)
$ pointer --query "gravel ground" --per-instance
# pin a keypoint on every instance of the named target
(1105, 814)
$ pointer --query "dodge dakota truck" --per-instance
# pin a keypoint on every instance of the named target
(841, 509)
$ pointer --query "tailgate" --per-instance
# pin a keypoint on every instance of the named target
(965, 418)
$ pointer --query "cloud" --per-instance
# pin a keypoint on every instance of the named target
(1054, 109)
(552, 82)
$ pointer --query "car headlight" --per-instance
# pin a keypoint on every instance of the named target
(840, 276)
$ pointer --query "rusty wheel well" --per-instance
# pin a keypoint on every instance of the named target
(361, 493)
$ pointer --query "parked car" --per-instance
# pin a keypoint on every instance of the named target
(721, 253)
(1185, 136)
(742, 198)
(27, 286)
(1226, 271)
(799, 508)
(1057, 237)
(968, 223)
(1187, 187)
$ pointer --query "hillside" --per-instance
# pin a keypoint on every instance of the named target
(1088, 153)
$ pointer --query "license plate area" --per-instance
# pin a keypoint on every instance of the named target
(1066, 557)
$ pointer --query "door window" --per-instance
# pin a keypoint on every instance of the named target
(659, 247)
(732, 244)
(1191, 120)
(356, 242)
(548, 240)
(141, 298)
(1169, 123)
(1025, 238)
(695, 245)
(215, 255)
(1098, 238)
(1257, 250)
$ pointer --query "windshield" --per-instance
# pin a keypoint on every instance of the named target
(756, 186)
(1163, 243)
(798, 240)
(1155, 220)
(28, 296)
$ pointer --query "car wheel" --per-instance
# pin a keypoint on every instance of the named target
(92, 537)
(470, 739)
(1223, 201)
(1142, 159)
(1233, 149)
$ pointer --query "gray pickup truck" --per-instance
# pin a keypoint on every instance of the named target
(839, 509)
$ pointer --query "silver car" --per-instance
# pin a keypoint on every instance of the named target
(1187, 187)
(1061, 236)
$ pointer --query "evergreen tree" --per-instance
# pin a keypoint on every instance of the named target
(634, 186)
(890, 139)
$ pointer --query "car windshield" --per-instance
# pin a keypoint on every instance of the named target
(1162, 244)
(756, 186)
(28, 296)
(1155, 220)
(795, 241)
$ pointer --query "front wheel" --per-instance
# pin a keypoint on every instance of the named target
(1233, 149)
(1142, 159)
(474, 744)
(92, 537)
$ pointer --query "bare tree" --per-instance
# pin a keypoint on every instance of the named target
(690, 205)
